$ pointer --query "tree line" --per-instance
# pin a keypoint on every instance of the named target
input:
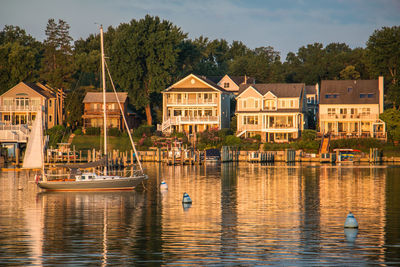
(146, 56)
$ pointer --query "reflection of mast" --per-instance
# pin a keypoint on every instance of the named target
(229, 216)
(105, 251)
(34, 224)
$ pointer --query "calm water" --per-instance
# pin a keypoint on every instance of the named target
(241, 215)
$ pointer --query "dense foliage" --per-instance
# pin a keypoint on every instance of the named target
(146, 56)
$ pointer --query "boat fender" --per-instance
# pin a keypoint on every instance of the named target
(186, 198)
(163, 185)
(37, 178)
(351, 221)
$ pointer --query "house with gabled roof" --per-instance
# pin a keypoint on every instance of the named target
(275, 111)
(351, 108)
(195, 104)
(93, 110)
(231, 83)
(20, 104)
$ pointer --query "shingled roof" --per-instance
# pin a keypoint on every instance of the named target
(310, 89)
(95, 97)
(278, 89)
(203, 79)
(349, 92)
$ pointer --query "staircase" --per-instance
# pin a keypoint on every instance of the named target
(325, 145)
(241, 133)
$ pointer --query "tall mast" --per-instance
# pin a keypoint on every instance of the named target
(103, 74)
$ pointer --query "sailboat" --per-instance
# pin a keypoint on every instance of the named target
(78, 181)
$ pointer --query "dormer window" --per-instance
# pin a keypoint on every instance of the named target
(226, 85)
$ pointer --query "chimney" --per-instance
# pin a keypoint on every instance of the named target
(317, 93)
(245, 79)
(380, 82)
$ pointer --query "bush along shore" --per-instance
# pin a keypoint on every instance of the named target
(146, 139)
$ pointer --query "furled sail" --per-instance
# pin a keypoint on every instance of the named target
(34, 158)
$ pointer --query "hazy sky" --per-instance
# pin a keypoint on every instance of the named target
(284, 24)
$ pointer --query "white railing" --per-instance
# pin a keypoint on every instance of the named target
(194, 119)
(349, 116)
(191, 101)
(12, 108)
(14, 133)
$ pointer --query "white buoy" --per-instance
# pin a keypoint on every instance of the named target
(163, 185)
(186, 198)
(351, 234)
(351, 221)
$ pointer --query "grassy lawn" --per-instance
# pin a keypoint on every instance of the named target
(85, 142)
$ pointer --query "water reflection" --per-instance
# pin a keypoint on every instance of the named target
(242, 214)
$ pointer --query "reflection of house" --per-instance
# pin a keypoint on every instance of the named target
(195, 104)
(93, 110)
(232, 83)
(312, 96)
(20, 104)
(274, 111)
(351, 108)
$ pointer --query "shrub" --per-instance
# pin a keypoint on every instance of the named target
(143, 129)
(78, 132)
(56, 134)
(114, 132)
(308, 135)
(93, 131)
(232, 140)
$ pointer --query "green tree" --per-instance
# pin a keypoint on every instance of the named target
(349, 73)
(383, 49)
(74, 108)
(20, 56)
(57, 66)
(144, 54)
(392, 119)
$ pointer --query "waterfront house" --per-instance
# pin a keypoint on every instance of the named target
(351, 108)
(195, 104)
(274, 111)
(20, 104)
(231, 83)
(93, 110)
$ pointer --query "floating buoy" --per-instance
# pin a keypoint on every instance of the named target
(186, 198)
(163, 185)
(351, 221)
(351, 234)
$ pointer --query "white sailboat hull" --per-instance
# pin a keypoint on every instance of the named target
(120, 183)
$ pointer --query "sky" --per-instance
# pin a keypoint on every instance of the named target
(286, 25)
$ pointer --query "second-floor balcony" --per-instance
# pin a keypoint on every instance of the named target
(370, 117)
(193, 119)
(265, 128)
(99, 111)
(196, 101)
(17, 108)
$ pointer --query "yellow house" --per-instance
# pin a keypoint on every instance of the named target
(20, 104)
(351, 108)
(195, 104)
(275, 111)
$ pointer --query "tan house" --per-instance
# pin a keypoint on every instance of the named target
(195, 104)
(20, 104)
(93, 110)
(351, 108)
(232, 83)
(275, 111)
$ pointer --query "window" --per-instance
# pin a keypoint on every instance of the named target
(50, 103)
(177, 112)
(370, 95)
(331, 96)
(269, 104)
(252, 120)
(363, 95)
(226, 85)
(349, 89)
(366, 111)
(331, 111)
(244, 103)
(50, 118)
